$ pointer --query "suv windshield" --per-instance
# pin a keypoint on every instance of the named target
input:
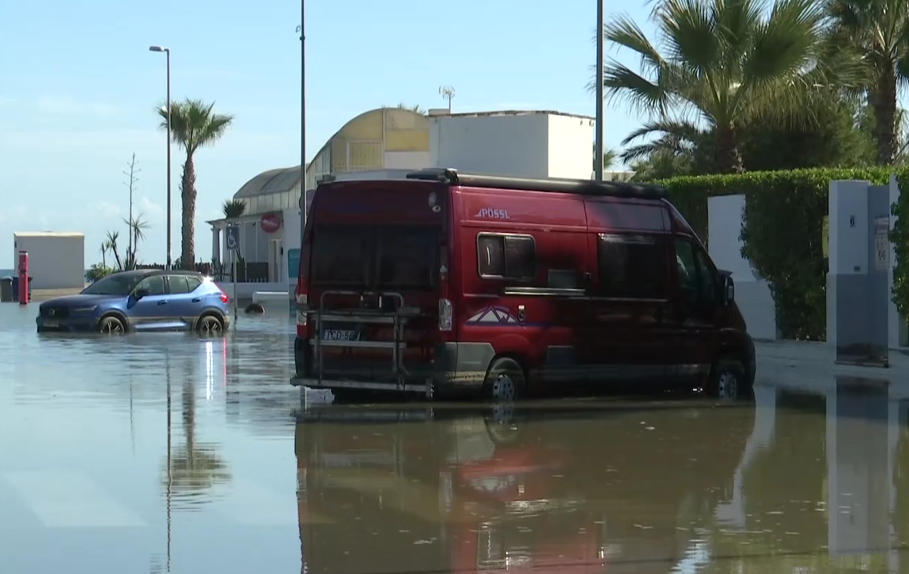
(387, 257)
(116, 284)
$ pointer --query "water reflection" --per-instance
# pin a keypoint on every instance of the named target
(795, 482)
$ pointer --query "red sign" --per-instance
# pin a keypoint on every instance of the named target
(270, 222)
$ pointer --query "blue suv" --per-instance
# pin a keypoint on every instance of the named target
(142, 300)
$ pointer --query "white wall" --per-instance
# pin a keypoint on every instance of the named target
(509, 145)
(55, 260)
(407, 159)
(752, 295)
(570, 147)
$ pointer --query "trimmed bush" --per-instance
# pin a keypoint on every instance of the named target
(781, 233)
(899, 236)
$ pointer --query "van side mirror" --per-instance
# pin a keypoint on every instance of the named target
(728, 295)
(140, 293)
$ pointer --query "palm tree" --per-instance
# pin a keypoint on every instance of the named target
(877, 31)
(104, 248)
(193, 126)
(233, 208)
(137, 228)
(723, 63)
(111, 244)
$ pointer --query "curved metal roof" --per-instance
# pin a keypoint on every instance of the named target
(269, 182)
(285, 179)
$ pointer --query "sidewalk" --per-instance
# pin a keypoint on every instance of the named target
(811, 365)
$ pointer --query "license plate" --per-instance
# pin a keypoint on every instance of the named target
(339, 335)
(52, 324)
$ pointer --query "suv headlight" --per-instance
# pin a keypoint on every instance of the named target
(83, 310)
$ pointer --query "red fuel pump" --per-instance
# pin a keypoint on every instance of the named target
(23, 277)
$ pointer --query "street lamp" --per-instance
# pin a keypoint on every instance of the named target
(167, 53)
(598, 169)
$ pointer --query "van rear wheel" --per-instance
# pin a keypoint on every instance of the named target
(505, 382)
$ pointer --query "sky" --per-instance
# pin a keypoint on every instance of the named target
(79, 88)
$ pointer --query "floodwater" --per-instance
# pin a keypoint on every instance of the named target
(168, 453)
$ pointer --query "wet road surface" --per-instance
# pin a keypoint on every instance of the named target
(169, 453)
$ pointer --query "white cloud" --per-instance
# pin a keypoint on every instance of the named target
(107, 210)
(151, 210)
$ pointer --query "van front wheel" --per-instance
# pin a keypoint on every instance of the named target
(728, 381)
(505, 381)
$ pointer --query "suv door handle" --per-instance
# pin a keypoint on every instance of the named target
(162, 302)
(197, 299)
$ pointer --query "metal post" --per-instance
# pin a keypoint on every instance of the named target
(598, 153)
(236, 262)
(169, 265)
(302, 121)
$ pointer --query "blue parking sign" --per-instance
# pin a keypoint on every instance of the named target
(233, 238)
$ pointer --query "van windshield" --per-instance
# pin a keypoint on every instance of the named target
(375, 257)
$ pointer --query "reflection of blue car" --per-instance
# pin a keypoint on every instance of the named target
(142, 300)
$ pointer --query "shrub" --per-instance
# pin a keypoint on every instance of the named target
(900, 239)
(781, 233)
(97, 271)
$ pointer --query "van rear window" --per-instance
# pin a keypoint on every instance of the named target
(632, 266)
(375, 257)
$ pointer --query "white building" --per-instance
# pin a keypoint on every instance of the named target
(55, 260)
(388, 142)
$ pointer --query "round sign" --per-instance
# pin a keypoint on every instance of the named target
(270, 222)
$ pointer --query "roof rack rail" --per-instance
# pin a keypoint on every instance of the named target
(451, 176)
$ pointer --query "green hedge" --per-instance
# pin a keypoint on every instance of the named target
(900, 238)
(781, 233)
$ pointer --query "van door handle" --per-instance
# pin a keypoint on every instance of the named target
(162, 302)
(197, 299)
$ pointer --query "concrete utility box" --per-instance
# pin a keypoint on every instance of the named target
(55, 260)
(532, 144)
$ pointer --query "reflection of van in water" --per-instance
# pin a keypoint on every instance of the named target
(446, 282)
(576, 490)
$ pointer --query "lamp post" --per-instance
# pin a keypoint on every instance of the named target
(167, 53)
(598, 170)
(302, 33)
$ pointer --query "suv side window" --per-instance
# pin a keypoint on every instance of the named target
(154, 285)
(182, 284)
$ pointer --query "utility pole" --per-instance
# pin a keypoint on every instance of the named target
(133, 178)
(598, 171)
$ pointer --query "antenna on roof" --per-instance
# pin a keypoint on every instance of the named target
(447, 92)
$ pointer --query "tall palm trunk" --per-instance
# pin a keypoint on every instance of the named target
(188, 195)
(727, 158)
(883, 101)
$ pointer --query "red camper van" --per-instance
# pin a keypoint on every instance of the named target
(445, 282)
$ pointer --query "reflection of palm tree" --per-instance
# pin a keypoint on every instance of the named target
(194, 468)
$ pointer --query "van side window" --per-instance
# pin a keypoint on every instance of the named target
(708, 287)
(631, 266)
(687, 269)
(506, 256)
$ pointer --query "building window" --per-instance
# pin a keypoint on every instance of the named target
(506, 256)
(632, 266)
